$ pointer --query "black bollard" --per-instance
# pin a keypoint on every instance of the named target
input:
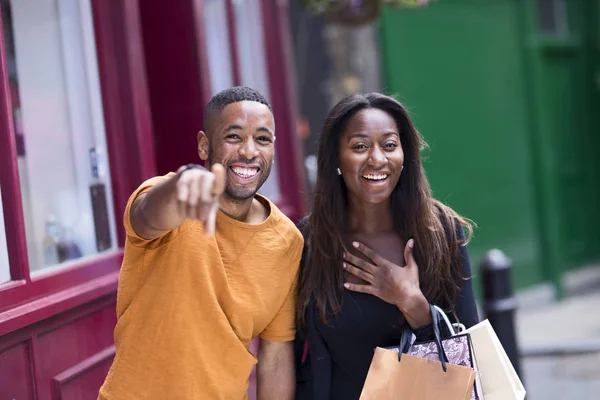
(499, 303)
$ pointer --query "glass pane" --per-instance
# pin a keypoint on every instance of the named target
(63, 164)
(253, 69)
(217, 45)
(4, 267)
(552, 17)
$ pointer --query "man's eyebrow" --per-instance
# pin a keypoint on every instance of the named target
(232, 127)
(265, 129)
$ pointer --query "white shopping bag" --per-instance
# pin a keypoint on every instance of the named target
(499, 379)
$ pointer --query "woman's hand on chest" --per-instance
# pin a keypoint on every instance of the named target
(390, 282)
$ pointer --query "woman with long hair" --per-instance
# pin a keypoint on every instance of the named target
(379, 249)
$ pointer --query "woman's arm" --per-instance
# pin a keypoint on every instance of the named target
(465, 306)
(466, 309)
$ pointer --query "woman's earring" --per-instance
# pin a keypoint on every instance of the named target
(402, 168)
(339, 171)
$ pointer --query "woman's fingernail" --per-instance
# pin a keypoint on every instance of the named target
(344, 264)
(355, 244)
(346, 285)
(344, 256)
(411, 243)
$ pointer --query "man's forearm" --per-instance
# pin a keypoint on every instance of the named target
(275, 374)
(157, 211)
(276, 385)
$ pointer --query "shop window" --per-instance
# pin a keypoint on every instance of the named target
(59, 126)
(552, 17)
(4, 266)
(253, 69)
(217, 45)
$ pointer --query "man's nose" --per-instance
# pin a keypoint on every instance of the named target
(248, 149)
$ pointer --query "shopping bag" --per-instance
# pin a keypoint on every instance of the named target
(425, 374)
(499, 380)
(415, 378)
(459, 351)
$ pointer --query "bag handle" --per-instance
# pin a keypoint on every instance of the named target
(406, 337)
(455, 328)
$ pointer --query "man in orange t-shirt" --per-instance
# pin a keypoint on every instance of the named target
(209, 264)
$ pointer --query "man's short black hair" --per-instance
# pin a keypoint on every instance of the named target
(229, 96)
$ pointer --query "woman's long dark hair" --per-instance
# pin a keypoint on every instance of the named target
(416, 215)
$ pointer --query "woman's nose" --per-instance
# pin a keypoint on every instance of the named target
(377, 158)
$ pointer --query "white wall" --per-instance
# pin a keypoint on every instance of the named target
(217, 45)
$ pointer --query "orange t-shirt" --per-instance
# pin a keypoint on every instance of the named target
(189, 305)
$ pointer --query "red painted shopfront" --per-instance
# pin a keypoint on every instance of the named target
(96, 96)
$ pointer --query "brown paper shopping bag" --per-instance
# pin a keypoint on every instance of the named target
(415, 378)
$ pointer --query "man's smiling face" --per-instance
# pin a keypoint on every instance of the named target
(242, 139)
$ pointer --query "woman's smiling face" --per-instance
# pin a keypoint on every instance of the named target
(371, 156)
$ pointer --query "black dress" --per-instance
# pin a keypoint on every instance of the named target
(340, 353)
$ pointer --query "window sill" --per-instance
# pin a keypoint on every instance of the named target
(26, 302)
(45, 307)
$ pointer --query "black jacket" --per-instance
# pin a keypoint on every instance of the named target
(313, 376)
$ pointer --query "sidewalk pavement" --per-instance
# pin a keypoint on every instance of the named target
(560, 341)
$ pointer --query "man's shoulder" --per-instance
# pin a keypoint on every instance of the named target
(284, 225)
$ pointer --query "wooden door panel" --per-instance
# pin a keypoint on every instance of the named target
(70, 340)
(16, 380)
(82, 381)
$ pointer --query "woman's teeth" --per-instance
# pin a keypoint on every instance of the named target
(375, 177)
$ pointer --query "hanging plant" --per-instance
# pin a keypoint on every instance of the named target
(356, 12)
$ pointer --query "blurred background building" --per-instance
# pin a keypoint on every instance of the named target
(97, 95)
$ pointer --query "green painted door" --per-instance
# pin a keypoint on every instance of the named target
(507, 94)
(458, 65)
(561, 47)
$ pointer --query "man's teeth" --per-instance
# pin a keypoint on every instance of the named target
(245, 172)
(375, 177)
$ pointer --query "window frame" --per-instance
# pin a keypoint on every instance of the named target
(279, 63)
(25, 300)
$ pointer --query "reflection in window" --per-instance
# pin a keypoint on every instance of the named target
(217, 45)
(552, 17)
(59, 127)
(4, 266)
(253, 69)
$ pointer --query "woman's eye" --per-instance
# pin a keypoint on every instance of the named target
(391, 145)
(359, 146)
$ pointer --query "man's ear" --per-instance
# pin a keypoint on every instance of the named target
(203, 146)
